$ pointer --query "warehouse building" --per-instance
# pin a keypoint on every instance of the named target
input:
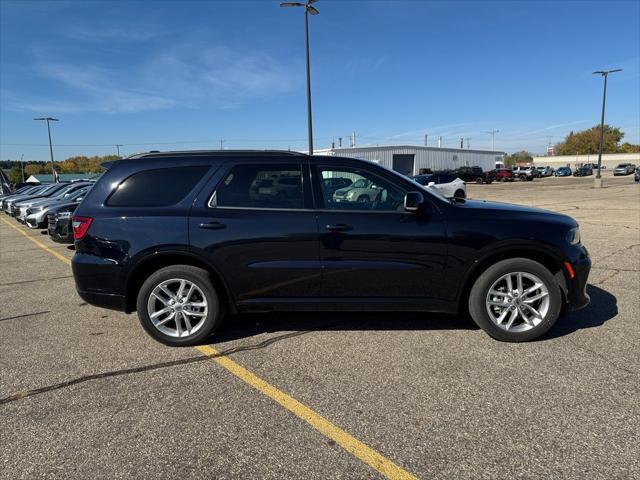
(411, 160)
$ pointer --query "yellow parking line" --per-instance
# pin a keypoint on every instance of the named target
(39, 243)
(351, 444)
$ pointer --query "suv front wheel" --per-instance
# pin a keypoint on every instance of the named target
(178, 305)
(515, 300)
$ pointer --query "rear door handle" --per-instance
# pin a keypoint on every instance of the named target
(213, 225)
(339, 227)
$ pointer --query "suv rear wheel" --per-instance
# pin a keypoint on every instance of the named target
(178, 305)
(515, 300)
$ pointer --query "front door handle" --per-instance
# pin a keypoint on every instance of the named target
(339, 227)
(213, 225)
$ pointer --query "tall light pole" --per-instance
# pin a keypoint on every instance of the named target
(118, 145)
(50, 119)
(605, 73)
(493, 136)
(308, 9)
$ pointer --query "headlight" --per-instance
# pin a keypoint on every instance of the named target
(573, 236)
(351, 194)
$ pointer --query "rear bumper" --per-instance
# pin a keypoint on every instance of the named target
(104, 300)
(98, 281)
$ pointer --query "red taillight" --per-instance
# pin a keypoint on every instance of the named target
(80, 226)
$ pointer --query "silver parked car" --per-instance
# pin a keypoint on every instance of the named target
(26, 207)
(545, 171)
(624, 169)
(37, 215)
(6, 201)
(362, 190)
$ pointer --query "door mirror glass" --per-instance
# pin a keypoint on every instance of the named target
(413, 202)
(431, 184)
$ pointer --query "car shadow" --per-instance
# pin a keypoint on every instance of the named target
(603, 307)
(240, 326)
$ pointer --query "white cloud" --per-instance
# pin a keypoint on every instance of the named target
(188, 75)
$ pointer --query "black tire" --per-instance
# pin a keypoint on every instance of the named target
(523, 178)
(460, 194)
(480, 289)
(529, 179)
(479, 180)
(364, 199)
(195, 275)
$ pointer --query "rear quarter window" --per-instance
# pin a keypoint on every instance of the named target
(157, 188)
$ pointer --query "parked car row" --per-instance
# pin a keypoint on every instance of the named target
(47, 206)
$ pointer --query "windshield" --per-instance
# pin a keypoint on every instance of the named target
(622, 165)
(78, 193)
(48, 188)
(64, 191)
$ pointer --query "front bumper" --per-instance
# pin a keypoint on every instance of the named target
(576, 287)
(35, 220)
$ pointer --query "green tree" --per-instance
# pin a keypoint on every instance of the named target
(32, 169)
(517, 157)
(588, 141)
(15, 174)
(627, 147)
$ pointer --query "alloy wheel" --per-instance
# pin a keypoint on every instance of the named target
(177, 307)
(517, 301)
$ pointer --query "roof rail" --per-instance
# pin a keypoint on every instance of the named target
(217, 153)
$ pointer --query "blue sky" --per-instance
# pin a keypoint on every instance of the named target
(181, 75)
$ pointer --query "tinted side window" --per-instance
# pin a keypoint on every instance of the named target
(261, 186)
(367, 191)
(156, 188)
(446, 178)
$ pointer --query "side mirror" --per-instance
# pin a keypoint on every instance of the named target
(431, 184)
(79, 199)
(413, 202)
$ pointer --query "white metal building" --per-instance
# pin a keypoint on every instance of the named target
(609, 160)
(409, 159)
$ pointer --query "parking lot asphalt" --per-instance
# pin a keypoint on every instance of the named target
(85, 392)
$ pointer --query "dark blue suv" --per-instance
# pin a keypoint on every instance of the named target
(186, 237)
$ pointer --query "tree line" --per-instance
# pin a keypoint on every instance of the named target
(585, 142)
(77, 164)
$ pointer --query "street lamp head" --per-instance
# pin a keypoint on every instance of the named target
(51, 119)
(307, 6)
(607, 72)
